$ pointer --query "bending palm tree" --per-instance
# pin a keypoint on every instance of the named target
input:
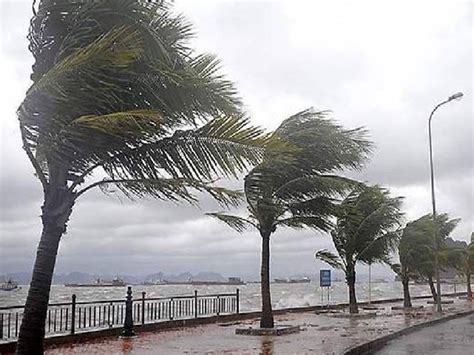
(461, 257)
(365, 232)
(116, 89)
(425, 259)
(413, 252)
(298, 189)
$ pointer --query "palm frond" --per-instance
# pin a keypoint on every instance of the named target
(315, 222)
(237, 223)
(167, 189)
(134, 123)
(115, 50)
(307, 186)
(329, 258)
(396, 268)
(224, 146)
(325, 145)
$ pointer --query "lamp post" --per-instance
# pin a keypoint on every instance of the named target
(456, 96)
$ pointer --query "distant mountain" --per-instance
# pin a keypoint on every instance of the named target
(155, 277)
(73, 277)
(209, 276)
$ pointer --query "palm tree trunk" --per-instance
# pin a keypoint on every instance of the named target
(406, 293)
(432, 288)
(266, 320)
(351, 278)
(56, 211)
(468, 285)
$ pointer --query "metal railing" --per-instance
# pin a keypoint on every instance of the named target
(87, 316)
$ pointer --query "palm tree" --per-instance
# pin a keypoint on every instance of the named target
(117, 90)
(365, 231)
(461, 257)
(425, 264)
(413, 252)
(297, 189)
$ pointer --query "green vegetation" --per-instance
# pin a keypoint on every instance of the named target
(365, 231)
(413, 252)
(116, 89)
(461, 257)
(299, 188)
(426, 264)
(416, 250)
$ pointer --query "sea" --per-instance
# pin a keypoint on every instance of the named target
(284, 295)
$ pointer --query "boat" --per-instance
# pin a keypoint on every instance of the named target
(230, 281)
(154, 283)
(293, 280)
(116, 282)
(302, 280)
(10, 285)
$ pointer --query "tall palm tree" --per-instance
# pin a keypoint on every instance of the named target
(413, 252)
(461, 256)
(117, 90)
(298, 188)
(365, 231)
(423, 228)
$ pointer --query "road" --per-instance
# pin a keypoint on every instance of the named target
(455, 337)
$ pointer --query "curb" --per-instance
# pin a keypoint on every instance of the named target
(377, 344)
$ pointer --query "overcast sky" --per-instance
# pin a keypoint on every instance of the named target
(379, 64)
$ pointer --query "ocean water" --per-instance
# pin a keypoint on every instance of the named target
(283, 295)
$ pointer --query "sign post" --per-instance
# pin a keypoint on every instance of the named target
(325, 282)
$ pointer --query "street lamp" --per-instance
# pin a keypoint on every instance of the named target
(456, 96)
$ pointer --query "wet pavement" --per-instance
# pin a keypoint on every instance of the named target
(330, 333)
(455, 337)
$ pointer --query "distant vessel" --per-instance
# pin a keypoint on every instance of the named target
(155, 282)
(10, 285)
(293, 280)
(116, 282)
(230, 281)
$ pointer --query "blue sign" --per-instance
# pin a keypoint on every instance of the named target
(324, 278)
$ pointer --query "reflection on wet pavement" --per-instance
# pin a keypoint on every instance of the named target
(322, 334)
(455, 337)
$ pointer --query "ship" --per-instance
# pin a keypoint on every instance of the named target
(10, 285)
(230, 281)
(116, 282)
(293, 280)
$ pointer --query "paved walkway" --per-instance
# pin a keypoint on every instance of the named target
(455, 337)
(331, 333)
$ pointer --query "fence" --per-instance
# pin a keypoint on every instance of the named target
(77, 316)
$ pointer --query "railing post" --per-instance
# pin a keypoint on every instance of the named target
(143, 307)
(1, 326)
(73, 315)
(128, 323)
(170, 309)
(218, 305)
(237, 297)
(195, 304)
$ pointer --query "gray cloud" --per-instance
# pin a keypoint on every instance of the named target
(379, 66)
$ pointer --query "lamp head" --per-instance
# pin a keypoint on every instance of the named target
(456, 96)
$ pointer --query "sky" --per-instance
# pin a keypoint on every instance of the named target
(379, 64)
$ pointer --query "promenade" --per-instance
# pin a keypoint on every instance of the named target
(322, 333)
(453, 337)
